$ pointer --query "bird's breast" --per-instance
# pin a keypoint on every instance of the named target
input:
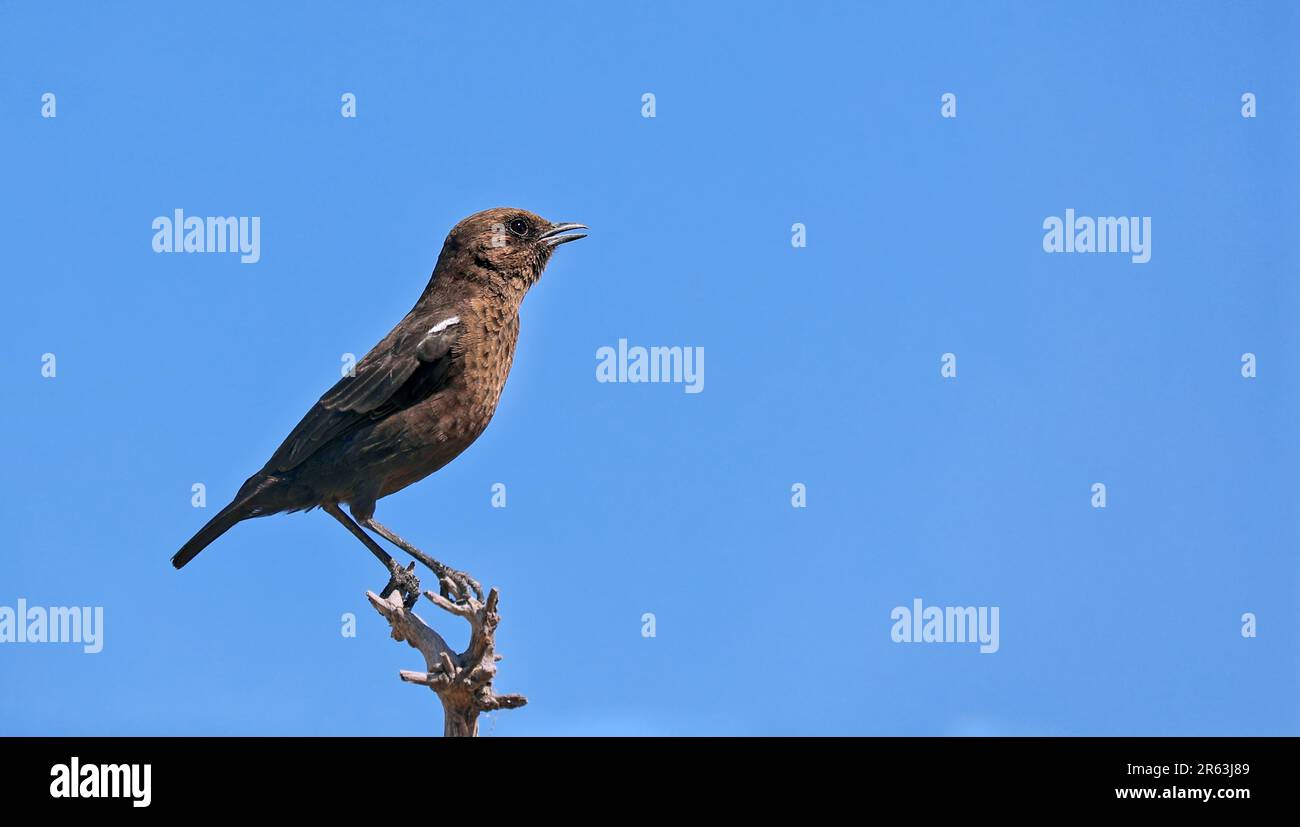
(456, 415)
(438, 430)
(489, 350)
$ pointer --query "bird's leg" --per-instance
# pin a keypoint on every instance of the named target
(398, 577)
(450, 582)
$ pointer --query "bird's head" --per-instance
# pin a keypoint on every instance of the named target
(505, 249)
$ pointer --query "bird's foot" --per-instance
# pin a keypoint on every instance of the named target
(405, 581)
(457, 585)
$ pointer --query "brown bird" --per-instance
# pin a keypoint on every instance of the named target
(414, 402)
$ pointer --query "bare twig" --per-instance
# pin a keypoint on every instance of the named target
(463, 682)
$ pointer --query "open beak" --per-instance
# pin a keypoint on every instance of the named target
(556, 236)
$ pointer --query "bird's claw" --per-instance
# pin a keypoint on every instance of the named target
(457, 585)
(405, 581)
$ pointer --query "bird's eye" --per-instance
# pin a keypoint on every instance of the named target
(519, 227)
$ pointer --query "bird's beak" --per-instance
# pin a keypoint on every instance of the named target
(554, 237)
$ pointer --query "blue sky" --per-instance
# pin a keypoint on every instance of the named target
(924, 237)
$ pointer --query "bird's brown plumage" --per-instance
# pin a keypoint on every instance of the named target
(422, 395)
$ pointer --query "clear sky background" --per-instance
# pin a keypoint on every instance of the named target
(924, 236)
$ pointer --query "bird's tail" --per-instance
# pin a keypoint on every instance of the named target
(236, 512)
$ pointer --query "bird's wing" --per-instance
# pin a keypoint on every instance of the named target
(405, 368)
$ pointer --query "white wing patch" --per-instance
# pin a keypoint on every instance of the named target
(444, 324)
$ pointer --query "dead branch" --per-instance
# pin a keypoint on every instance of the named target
(463, 682)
